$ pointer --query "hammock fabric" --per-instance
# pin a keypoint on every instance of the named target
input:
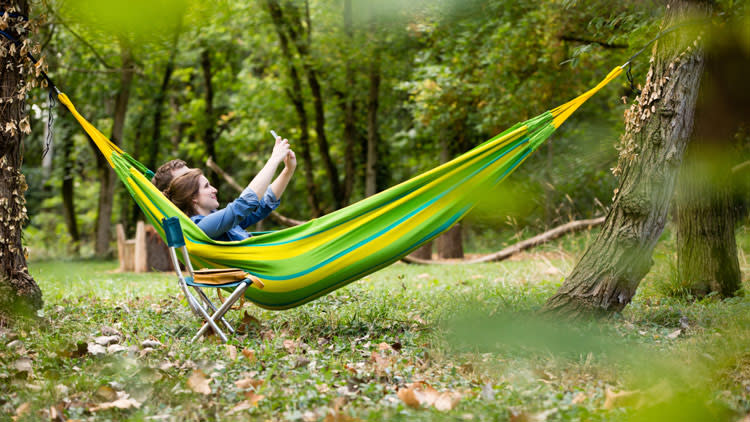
(301, 263)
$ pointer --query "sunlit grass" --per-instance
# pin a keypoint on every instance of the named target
(468, 329)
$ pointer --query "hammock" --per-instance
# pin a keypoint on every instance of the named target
(301, 263)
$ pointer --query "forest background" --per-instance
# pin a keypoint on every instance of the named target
(369, 94)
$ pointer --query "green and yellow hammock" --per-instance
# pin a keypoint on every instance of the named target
(301, 263)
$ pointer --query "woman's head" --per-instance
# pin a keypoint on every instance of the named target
(192, 193)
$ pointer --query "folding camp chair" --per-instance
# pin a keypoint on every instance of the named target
(198, 280)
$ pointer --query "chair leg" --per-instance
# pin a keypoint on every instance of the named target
(213, 308)
(219, 314)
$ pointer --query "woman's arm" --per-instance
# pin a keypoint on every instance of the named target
(279, 185)
(260, 182)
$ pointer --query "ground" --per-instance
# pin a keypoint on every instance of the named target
(458, 342)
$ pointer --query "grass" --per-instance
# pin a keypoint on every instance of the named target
(465, 330)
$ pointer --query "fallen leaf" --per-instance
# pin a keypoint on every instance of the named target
(96, 349)
(447, 401)
(106, 340)
(396, 346)
(424, 276)
(106, 393)
(23, 365)
(522, 416)
(408, 397)
(199, 383)
(23, 409)
(381, 363)
(254, 398)
(384, 346)
(151, 343)
(249, 354)
(122, 403)
(114, 348)
(248, 383)
(290, 346)
(248, 323)
(243, 405)
(231, 351)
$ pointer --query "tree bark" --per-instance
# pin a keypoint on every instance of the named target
(303, 47)
(209, 135)
(350, 128)
(295, 96)
(707, 258)
(19, 293)
(450, 245)
(106, 174)
(373, 135)
(656, 133)
(68, 194)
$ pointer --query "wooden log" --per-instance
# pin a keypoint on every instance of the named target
(506, 253)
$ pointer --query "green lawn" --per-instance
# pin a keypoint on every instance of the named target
(461, 338)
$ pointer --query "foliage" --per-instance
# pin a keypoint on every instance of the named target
(452, 75)
(381, 348)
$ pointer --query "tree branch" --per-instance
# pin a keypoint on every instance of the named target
(588, 41)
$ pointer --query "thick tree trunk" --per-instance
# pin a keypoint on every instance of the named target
(295, 96)
(656, 134)
(706, 245)
(19, 293)
(450, 245)
(106, 174)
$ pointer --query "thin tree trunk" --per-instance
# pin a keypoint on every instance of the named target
(295, 96)
(350, 130)
(106, 174)
(209, 135)
(656, 134)
(68, 194)
(707, 258)
(153, 150)
(19, 293)
(373, 135)
(311, 74)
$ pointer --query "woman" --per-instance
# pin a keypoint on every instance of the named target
(194, 195)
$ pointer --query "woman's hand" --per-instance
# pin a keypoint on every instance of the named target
(280, 151)
(290, 161)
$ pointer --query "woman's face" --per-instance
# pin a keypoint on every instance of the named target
(205, 200)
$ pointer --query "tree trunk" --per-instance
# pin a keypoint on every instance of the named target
(706, 246)
(450, 245)
(350, 129)
(295, 96)
(209, 135)
(106, 174)
(373, 135)
(424, 252)
(19, 293)
(656, 134)
(68, 195)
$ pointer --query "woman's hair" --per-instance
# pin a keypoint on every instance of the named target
(183, 189)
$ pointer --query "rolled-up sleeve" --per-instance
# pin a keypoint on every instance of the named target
(219, 222)
(266, 206)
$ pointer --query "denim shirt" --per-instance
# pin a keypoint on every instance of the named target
(229, 223)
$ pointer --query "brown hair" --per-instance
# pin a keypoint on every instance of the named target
(163, 176)
(183, 189)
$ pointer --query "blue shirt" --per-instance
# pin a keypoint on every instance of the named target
(229, 223)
